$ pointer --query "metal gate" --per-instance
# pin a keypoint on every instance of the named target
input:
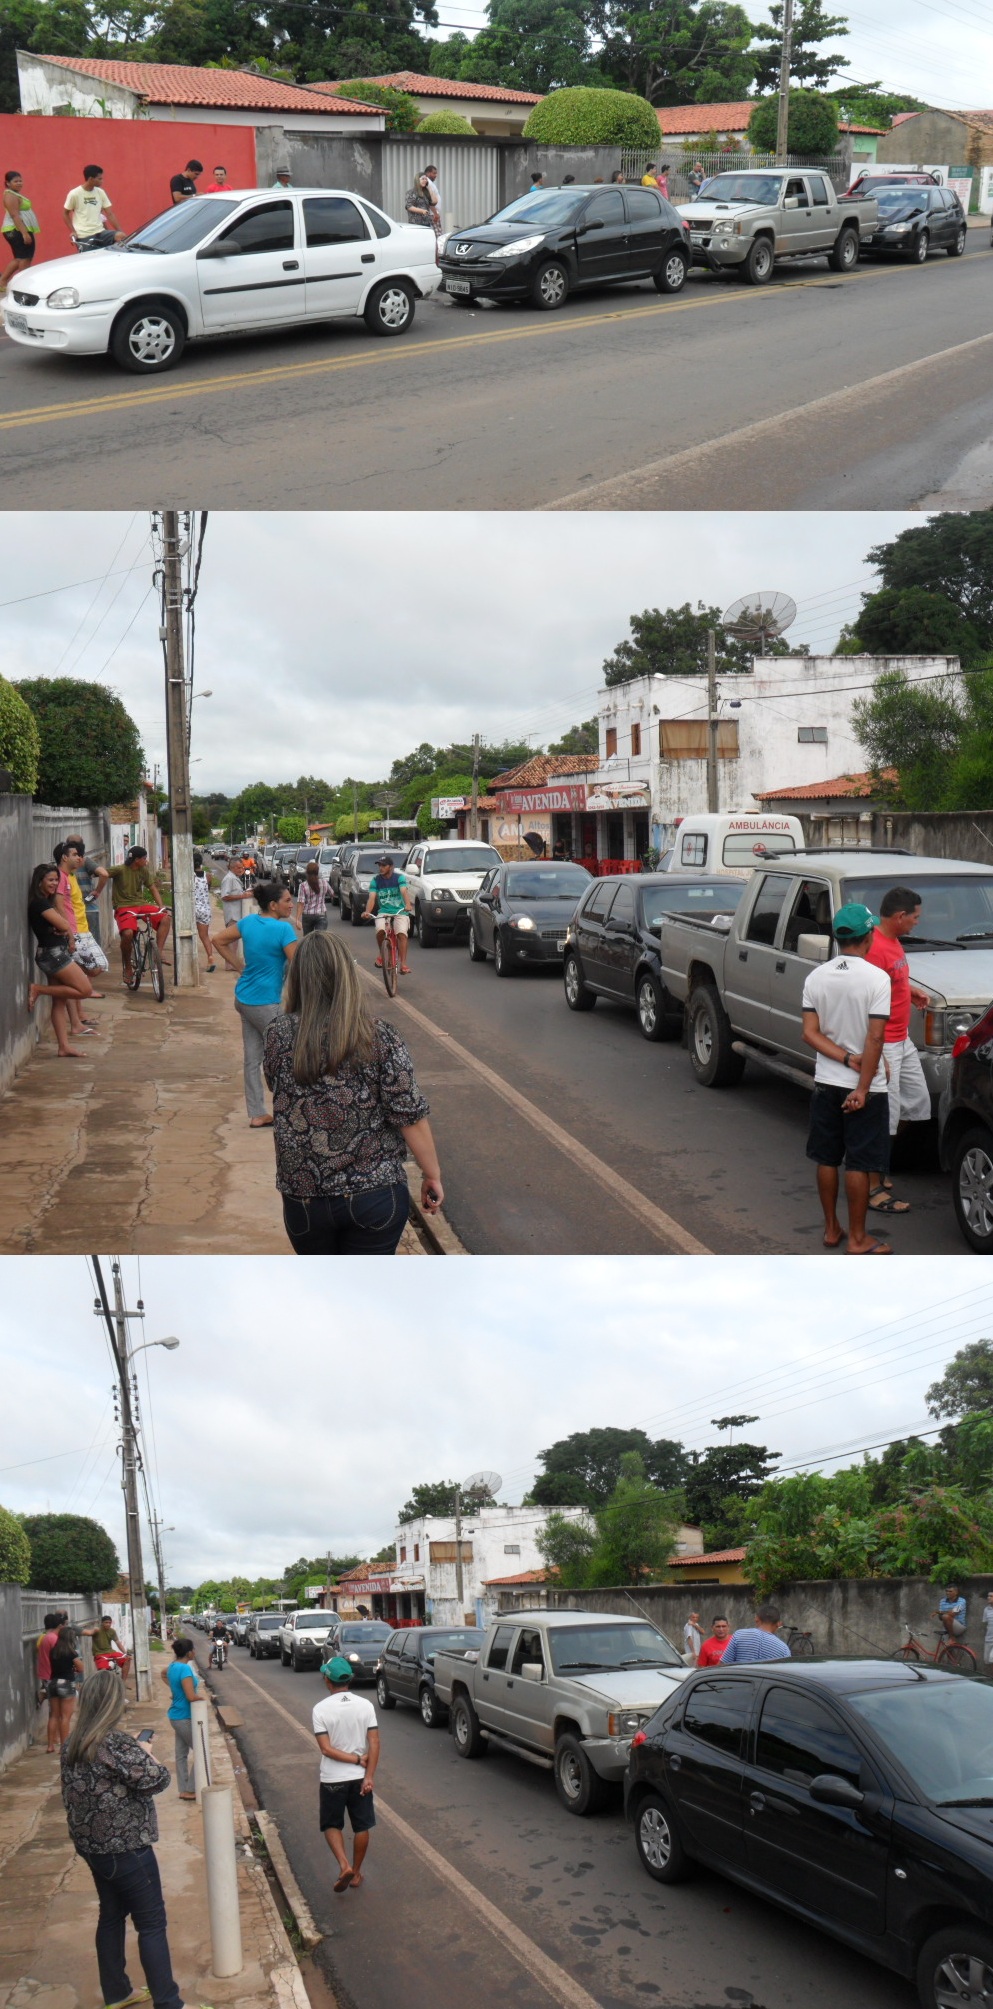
(468, 176)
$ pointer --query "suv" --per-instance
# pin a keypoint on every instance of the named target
(262, 1637)
(357, 874)
(301, 1639)
(443, 879)
(406, 1667)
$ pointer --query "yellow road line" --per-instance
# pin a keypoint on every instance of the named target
(545, 1971)
(167, 390)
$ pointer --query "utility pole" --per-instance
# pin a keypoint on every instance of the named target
(186, 959)
(782, 123)
(459, 1583)
(129, 1450)
(355, 811)
(712, 721)
(474, 813)
(156, 1521)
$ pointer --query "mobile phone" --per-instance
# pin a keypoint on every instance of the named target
(145, 1736)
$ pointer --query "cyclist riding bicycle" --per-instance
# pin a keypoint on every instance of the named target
(388, 895)
(134, 892)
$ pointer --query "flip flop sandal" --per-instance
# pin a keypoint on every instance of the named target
(875, 1249)
(343, 1881)
(882, 1202)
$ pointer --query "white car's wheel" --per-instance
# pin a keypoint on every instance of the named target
(148, 338)
(389, 309)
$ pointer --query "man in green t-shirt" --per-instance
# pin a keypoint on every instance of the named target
(134, 892)
(388, 894)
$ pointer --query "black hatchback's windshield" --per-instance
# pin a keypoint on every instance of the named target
(180, 228)
(547, 882)
(547, 210)
(762, 188)
(906, 199)
(956, 911)
(940, 1733)
(583, 1649)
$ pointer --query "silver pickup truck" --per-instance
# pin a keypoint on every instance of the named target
(750, 219)
(742, 983)
(565, 1689)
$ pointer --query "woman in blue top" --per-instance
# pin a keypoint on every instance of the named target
(182, 1681)
(269, 942)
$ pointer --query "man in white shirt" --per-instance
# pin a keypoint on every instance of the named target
(692, 1639)
(89, 215)
(234, 897)
(348, 1740)
(846, 1004)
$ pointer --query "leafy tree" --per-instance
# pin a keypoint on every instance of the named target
(292, 829)
(346, 826)
(70, 1552)
(203, 827)
(448, 122)
(584, 738)
(403, 113)
(593, 1457)
(90, 754)
(636, 1529)
(559, 1489)
(950, 554)
(940, 1533)
(20, 741)
(913, 621)
(915, 728)
(811, 128)
(436, 1498)
(423, 760)
(870, 105)
(530, 45)
(966, 1387)
(441, 785)
(567, 1548)
(809, 63)
(721, 1474)
(15, 1549)
(580, 116)
(448, 55)
(675, 53)
(672, 642)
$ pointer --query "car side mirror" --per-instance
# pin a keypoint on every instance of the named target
(222, 247)
(655, 927)
(532, 1670)
(832, 1791)
(792, 202)
(814, 948)
(585, 228)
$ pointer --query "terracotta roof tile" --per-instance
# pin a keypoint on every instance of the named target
(714, 1556)
(186, 84)
(705, 118)
(427, 86)
(846, 787)
(544, 767)
(523, 1576)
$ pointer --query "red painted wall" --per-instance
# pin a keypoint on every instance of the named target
(139, 156)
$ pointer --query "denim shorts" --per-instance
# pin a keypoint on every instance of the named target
(52, 959)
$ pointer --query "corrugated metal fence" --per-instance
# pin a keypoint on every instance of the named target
(468, 177)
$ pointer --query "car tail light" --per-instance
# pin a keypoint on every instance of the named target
(638, 1738)
(977, 1035)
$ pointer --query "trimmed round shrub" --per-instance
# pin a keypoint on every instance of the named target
(20, 741)
(581, 116)
(292, 829)
(402, 111)
(15, 1549)
(70, 1552)
(91, 754)
(812, 127)
(447, 122)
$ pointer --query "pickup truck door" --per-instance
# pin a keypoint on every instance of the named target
(534, 1704)
(494, 1683)
(825, 221)
(808, 913)
(796, 217)
(750, 956)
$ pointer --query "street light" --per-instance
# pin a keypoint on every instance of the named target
(170, 1344)
(200, 694)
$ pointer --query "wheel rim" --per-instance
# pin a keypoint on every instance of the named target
(675, 273)
(381, 1693)
(461, 1728)
(703, 1037)
(922, 246)
(647, 1007)
(427, 1706)
(551, 286)
(571, 982)
(394, 308)
(655, 1838)
(498, 954)
(960, 242)
(976, 1192)
(849, 250)
(762, 261)
(152, 340)
(962, 1977)
(570, 1774)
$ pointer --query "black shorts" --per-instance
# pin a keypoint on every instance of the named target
(347, 1794)
(859, 1139)
(22, 245)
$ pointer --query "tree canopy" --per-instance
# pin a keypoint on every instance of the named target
(582, 738)
(966, 1387)
(936, 734)
(811, 125)
(20, 740)
(437, 1498)
(590, 1460)
(15, 1549)
(69, 1552)
(810, 63)
(90, 752)
(582, 116)
(627, 1540)
(950, 555)
(672, 642)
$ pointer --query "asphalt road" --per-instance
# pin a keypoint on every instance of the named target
(594, 1104)
(569, 1893)
(815, 392)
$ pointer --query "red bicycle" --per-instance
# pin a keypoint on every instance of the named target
(948, 1652)
(390, 952)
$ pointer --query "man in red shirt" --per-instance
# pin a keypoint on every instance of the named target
(43, 1650)
(910, 1100)
(712, 1650)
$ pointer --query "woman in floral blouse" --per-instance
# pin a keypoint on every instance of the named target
(346, 1112)
(108, 1785)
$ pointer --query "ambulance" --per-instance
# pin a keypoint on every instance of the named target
(732, 845)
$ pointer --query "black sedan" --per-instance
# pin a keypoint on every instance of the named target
(612, 950)
(914, 221)
(965, 1133)
(360, 1641)
(556, 241)
(521, 913)
(406, 1667)
(858, 1795)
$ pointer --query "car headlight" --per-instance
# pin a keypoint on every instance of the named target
(524, 922)
(626, 1722)
(443, 893)
(519, 248)
(941, 1028)
(63, 296)
(353, 1657)
(898, 229)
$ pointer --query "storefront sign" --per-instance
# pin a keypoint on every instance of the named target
(619, 795)
(444, 806)
(525, 801)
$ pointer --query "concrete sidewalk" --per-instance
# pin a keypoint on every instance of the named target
(145, 1136)
(48, 1907)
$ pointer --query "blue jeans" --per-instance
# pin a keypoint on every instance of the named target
(129, 1886)
(351, 1224)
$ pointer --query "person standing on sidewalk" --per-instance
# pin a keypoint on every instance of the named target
(269, 942)
(846, 1005)
(909, 1095)
(182, 1681)
(348, 1740)
(56, 938)
(65, 1665)
(43, 1662)
(760, 1641)
(20, 227)
(201, 909)
(108, 1785)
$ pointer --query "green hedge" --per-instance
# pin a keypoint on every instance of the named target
(90, 752)
(15, 1549)
(584, 117)
(20, 741)
(812, 127)
(447, 122)
(70, 1552)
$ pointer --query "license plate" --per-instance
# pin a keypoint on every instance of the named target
(457, 286)
(18, 321)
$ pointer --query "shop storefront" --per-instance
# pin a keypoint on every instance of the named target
(396, 1601)
(621, 813)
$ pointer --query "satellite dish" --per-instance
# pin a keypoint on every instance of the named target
(482, 1482)
(757, 618)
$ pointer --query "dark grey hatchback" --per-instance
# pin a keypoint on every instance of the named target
(856, 1794)
(521, 913)
(613, 946)
(555, 241)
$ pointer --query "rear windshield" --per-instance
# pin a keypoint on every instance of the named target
(956, 910)
(746, 847)
(180, 228)
(461, 858)
(906, 199)
(582, 1649)
(441, 1642)
(267, 1624)
(688, 896)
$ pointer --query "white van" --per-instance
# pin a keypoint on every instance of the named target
(734, 844)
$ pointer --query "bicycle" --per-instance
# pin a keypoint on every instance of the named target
(948, 1652)
(390, 948)
(145, 955)
(801, 1644)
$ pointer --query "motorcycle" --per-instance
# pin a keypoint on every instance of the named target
(219, 1654)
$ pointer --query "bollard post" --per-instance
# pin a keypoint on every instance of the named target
(201, 1744)
(217, 1807)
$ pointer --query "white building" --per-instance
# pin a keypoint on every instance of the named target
(788, 721)
(496, 1541)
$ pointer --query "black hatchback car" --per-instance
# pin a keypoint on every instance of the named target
(612, 950)
(856, 1794)
(360, 1641)
(556, 241)
(521, 913)
(965, 1133)
(914, 221)
(406, 1667)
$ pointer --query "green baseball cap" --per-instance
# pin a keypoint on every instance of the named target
(853, 923)
(337, 1668)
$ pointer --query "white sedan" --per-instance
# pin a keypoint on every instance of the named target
(223, 265)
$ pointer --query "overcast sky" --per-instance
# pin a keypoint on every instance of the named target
(938, 50)
(257, 1456)
(328, 651)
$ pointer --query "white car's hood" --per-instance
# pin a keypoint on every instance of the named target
(960, 976)
(632, 1687)
(95, 274)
